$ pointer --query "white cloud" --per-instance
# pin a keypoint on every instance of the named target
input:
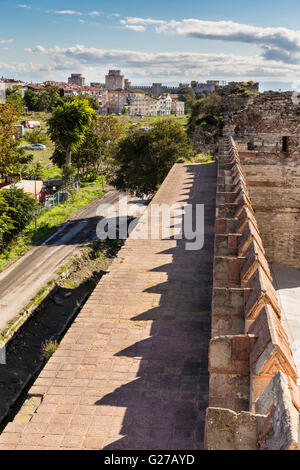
(279, 44)
(139, 24)
(134, 27)
(68, 12)
(166, 66)
(26, 7)
(94, 13)
(6, 41)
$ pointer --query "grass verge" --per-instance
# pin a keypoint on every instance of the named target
(46, 223)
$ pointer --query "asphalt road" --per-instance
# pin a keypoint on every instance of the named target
(21, 281)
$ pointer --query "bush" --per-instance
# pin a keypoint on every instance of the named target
(37, 137)
(48, 348)
(17, 210)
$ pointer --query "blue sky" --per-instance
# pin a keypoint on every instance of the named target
(168, 41)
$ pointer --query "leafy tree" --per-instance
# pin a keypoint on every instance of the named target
(32, 100)
(206, 111)
(68, 125)
(17, 210)
(99, 144)
(49, 98)
(68, 173)
(9, 142)
(15, 98)
(37, 137)
(93, 102)
(34, 171)
(144, 158)
(186, 93)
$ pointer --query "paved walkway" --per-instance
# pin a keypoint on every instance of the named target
(131, 372)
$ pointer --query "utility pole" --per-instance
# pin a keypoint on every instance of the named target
(102, 170)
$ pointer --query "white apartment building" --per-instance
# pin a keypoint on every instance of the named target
(165, 104)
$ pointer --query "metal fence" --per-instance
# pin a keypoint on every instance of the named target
(59, 197)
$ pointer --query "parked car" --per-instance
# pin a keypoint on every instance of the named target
(35, 147)
(31, 124)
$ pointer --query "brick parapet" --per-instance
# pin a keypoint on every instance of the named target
(245, 307)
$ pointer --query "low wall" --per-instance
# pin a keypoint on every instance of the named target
(254, 398)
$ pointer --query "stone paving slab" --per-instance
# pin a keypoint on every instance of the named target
(131, 372)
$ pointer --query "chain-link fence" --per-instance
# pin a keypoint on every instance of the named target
(57, 198)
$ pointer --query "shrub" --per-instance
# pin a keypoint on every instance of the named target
(37, 137)
(48, 348)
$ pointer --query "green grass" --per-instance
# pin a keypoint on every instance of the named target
(199, 158)
(128, 121)
(46, 223)
(49, 348)
(96, 183)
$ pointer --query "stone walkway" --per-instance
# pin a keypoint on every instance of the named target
(131, 372)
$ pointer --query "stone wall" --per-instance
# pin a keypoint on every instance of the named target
(267, 134)
(254, 398)
(274, 186)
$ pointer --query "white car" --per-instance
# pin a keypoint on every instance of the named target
(36, 147)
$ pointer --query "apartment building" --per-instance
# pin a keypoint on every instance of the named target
(143, 104)
(177, 107)
(76, 79)
(165, 104)
(117, 100)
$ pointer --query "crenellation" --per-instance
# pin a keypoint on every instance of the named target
(249, 350)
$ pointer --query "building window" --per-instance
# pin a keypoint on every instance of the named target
(285, 144)
(251, 145)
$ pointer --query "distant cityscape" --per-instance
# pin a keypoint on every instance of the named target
(117, 95)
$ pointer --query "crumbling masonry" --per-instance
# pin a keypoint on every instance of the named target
(254, 398)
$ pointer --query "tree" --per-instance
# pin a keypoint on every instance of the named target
(49, 98)
(144, 158)
(17, 210)
(206, 111)
(100, 141)
(93, 102)
(15, 98)
(37, 137)
(68, 125)
(32, 100)
(9, 142)
(186, 93)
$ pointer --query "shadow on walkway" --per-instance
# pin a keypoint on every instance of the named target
(165, 405)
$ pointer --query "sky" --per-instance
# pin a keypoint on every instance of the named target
(156, 41)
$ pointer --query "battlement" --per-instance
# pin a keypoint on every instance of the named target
(253, 397)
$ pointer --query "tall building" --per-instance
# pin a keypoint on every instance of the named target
(114, 80)
(76, 79)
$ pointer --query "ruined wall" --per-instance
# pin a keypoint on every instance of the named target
(254, 398)
(274, 187)
(267, 135)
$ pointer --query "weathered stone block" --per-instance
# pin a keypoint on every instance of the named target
(276, 401)
(271, 351)
(227, 430)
